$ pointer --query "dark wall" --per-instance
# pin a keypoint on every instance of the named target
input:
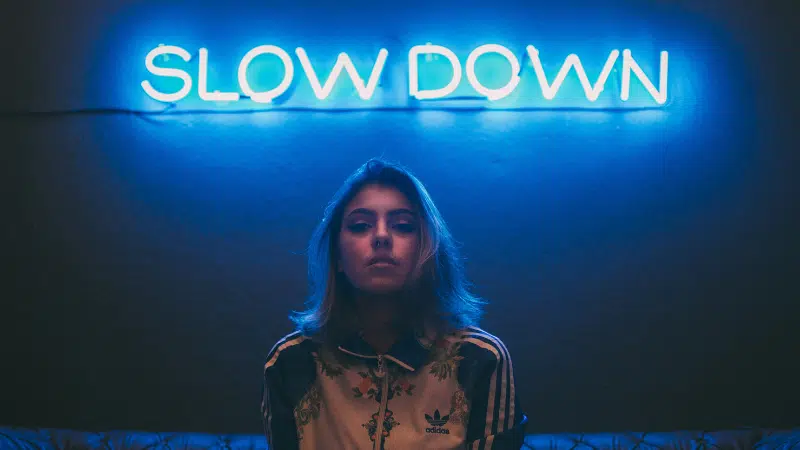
(641, 268)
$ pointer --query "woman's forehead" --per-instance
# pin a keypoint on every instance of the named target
(379, 199)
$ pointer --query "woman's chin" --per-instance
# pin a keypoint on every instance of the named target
(382, 286)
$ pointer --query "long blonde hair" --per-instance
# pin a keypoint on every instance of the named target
(442, 292)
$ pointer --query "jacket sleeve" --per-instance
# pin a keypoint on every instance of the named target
(496, 422)
(277, 412)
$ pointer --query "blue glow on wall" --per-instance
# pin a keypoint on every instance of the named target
(633, 61)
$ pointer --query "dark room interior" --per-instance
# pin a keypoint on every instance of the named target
(640, 259)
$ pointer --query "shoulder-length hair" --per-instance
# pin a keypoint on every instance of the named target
(442, 285)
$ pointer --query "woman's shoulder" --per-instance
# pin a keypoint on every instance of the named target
(480, 344)
(290, 349)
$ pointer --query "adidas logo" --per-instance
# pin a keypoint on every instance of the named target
(437, 422)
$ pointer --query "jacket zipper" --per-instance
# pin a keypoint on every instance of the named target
(384, 401)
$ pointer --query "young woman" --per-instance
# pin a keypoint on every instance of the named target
(387, 355)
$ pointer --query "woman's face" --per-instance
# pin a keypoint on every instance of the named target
(378, 240)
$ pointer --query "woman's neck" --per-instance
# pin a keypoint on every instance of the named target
(380, 319)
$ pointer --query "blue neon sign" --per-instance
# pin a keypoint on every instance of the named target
(267, 73)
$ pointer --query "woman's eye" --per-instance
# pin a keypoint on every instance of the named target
(405, 227)
(358, 227)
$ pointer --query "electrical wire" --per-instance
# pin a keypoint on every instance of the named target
(172, 110)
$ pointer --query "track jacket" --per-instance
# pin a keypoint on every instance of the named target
(452, 392)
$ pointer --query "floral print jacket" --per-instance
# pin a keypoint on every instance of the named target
(451, 392)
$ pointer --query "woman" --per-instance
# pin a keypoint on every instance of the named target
(387, 356)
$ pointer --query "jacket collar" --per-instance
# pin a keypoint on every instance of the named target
(410, 352)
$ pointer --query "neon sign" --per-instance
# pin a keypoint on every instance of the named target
(367, 82)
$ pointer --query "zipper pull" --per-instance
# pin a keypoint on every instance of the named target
(380, 371)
